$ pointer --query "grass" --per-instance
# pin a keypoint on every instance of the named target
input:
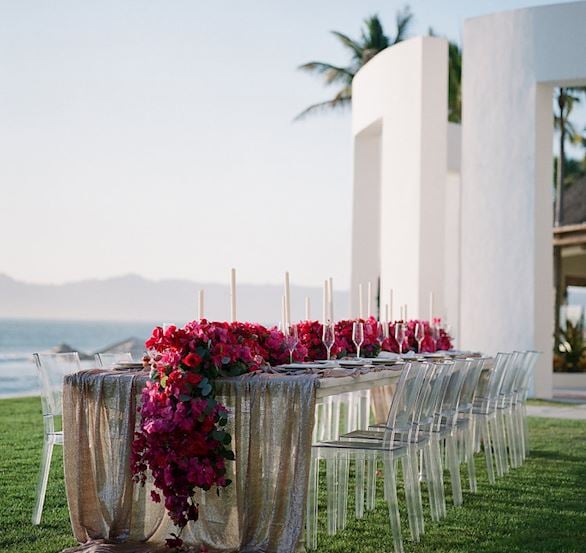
(540, 507)
(551, 403)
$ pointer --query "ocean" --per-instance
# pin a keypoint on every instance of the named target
(20, 338)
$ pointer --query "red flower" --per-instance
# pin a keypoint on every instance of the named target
(194, 378)
(192, 360)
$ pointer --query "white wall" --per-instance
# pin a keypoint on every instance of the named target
(399, 118)
(511, 62)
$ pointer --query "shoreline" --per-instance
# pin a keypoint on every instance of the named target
(20, 395)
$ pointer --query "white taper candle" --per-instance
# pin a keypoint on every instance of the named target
(360, 306)
(391, 306)
(233, 295)
(406, 319)
(331, 298)
(307, 309)
(200, 311)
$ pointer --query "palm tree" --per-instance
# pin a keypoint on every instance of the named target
(565, 100)
(372, 40)
(454, 83)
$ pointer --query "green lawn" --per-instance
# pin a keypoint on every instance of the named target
(538, 508)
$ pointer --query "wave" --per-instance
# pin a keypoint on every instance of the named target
(15, 356)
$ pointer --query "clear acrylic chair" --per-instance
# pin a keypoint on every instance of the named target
(445, 426)
(464, 423)
(424, 443)
(417, 435)
(389, 449)
(52, 367)
(108, 360)
(484, 411)
(519, 401)
(513, 407)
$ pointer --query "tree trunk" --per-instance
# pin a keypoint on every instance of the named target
(559, 196)
(559, 188)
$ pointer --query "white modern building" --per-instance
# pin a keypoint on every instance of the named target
(466, 213)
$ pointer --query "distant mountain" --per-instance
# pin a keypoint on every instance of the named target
(134, 298)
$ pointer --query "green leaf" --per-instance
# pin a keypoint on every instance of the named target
(218, 435)
(184, 398)
(228, 454)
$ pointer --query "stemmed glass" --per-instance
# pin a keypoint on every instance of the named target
(435, 335)
(358, 336)
(291, 339)
(419, 335)
(329, 336)
(381, 332)
(400, 336)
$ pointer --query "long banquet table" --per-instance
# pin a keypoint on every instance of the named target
(271, 421)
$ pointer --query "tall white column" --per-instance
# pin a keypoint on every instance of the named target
(399, 117)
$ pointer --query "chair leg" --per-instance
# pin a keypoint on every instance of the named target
(411, 497)
(468, 437)
(343, 470)
(393, 504)
(512, 439)
(439, 478)
(454, 467)
(332, 493)
(43, 480)
(417, 489)
(371, 482)
(495, 438)
(311, 514)
(525, 428)
(502, 439)
(485, 436)
(359, 486)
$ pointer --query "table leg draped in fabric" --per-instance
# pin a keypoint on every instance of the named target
(271, 421)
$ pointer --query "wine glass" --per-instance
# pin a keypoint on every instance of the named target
(400, 336)
(291, 339)
(381, 334)
(435, 335)
(419, 335)
(329, 336)
(358, 336)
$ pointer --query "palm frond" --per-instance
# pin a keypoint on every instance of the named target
(403, 21)
(332, 73)
(373, 35)
(349, 43)
(339, 102)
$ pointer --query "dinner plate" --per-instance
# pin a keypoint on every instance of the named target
(354, 362)
(301, 366)
(127, 366)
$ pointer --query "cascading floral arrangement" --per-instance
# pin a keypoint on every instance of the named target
(182, 438)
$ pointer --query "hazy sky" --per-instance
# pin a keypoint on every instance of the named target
(157, 137)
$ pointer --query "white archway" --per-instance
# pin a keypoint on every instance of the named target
(399, 123)
(511, 63)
